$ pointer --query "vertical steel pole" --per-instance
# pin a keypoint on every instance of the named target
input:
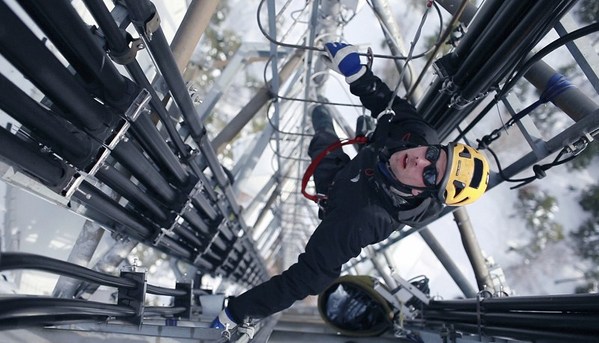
(190, 31)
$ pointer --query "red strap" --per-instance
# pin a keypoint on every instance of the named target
(312, 167)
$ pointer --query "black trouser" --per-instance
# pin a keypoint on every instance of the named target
(330, 165)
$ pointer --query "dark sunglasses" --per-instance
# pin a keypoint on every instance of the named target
(429, 173)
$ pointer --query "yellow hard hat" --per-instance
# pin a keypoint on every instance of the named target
(466, 176)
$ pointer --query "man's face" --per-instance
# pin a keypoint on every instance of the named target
(408, 166)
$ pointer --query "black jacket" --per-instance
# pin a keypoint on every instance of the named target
(359, 212)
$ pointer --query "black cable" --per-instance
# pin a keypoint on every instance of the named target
(520, 71)
(277, 96)
(560, 302)
(537, 31)
(318, 101)
(165, 291)
(269, 118)
(163, 311)
(439, 36)
(12, 260)
(29, 307)
(51, 320)
(539, 170)
(584, 31)
(305, 47)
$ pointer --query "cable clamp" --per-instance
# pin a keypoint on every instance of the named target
(448, 87)
(248, 330)
(370, 57)
(152, 25)
(539, 171)
(459, 103)
(226, 334)
(128, 55)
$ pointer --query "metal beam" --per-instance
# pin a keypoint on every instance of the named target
(453, 270)
(262, 96)
(84, 248)
(190, 31)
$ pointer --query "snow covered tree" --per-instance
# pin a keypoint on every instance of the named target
(586, 237)
(589, 201)
(587, 11)
(538, 209)
(586, 240)
(583, 160)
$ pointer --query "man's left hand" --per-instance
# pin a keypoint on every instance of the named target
(344, 59)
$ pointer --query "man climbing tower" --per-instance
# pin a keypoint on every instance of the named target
(402, 176)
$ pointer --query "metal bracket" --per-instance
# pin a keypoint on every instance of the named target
(127, 56)
(152, 25)
(411, 288)
(139, 104)
(449, 87)
(179, 218)
(248, 330)
(134, 297)
(185, 300)
(402, 295)
(458, 102)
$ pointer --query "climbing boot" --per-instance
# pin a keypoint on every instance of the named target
(321, 120)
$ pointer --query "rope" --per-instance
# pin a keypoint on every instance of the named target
(556, 85)
(540, 169)
(316, 161)
(429, 4)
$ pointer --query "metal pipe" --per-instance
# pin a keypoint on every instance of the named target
(15, 260)
(18, 45)
(190, 30)
(572, 101)
(50, 172)
(27, 307)
(73, 38)
(456, 274)
(433, 54)
(203, 204)
(143, 12)
(476, 24)
(142, 127)
(383, 270)
(558, 302)
(479, 266)
(540, 335)
(578, 323)
(82, 252)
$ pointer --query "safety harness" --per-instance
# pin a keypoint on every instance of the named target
(316, 161)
